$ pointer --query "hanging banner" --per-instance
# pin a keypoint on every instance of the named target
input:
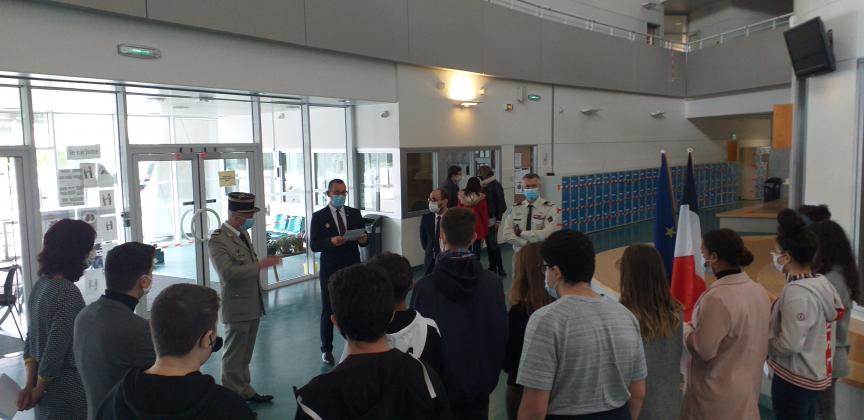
(83, 152)
(70, 190)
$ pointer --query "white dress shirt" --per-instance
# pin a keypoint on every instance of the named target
(341, 213)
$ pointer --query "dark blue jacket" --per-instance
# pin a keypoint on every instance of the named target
(467, 303)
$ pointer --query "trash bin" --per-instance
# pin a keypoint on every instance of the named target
(771, 189)
(373, 230)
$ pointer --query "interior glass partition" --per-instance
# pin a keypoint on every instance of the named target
(11, 127)
(329, 137)
(75, 133)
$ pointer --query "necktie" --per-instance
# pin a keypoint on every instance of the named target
(245, 241)
(340, 222)
(437, 245)
(530, 215)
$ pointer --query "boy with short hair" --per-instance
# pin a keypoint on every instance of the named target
(375, 381)
(183, 323)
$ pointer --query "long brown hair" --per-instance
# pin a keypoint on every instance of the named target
(528, 278)
(645, 292)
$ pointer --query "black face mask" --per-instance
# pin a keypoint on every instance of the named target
(216, 344)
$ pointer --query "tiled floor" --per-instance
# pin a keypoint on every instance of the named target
(287, 352)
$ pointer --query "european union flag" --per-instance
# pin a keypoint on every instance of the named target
(664, 220)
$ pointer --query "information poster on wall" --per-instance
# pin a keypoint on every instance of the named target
(107, 229)
(51, 217)
(88, 175)
(70, 190)
(106, 201)
(90, 216)
(227, 179)
(83, 152)
(517, 178)
(517, 160)
(105, 178)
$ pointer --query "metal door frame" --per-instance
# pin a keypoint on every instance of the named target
(197, 155)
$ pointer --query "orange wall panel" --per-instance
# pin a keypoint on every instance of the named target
(781, 127)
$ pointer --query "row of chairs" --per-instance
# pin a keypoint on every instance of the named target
(10, 299)
(286, 225)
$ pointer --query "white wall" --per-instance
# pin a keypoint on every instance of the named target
(720, 16)
(755, 102)
(832, 113)
(628, 14)
(376, 125)
(43, 39)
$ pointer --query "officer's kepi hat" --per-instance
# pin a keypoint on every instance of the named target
(241, 202)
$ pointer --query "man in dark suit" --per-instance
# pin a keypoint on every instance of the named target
(451, 185)
(430, 227)
(109, 339)
(327, 236)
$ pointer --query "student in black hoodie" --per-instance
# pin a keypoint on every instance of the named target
(183, 325)
(375, 381)
(467, 303)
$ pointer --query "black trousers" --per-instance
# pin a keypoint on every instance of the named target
(326, 327)
(791, 402)
(493, 249)
(473, 410)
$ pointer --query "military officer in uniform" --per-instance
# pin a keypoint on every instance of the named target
(242, 300)
(531, 220)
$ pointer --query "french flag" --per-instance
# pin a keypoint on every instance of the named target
(688, 272)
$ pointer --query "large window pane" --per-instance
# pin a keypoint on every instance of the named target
(285, 189)
(78, 171)
(11, 130)
(419, 180)
(329, 154)
(377, 191)
(162, 117)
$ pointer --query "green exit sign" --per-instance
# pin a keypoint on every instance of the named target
(534, 98)
(137, 51)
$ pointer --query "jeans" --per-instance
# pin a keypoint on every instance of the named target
(791, 402)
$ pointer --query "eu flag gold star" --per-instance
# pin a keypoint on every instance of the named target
(670, 232)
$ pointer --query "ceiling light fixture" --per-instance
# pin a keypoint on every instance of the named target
(467, 104)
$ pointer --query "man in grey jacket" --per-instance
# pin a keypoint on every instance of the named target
(242, 298)
(109, 339)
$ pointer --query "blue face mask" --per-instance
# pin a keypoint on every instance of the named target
(338, 201)
(532, 194)
(551, 290)
(248, 223)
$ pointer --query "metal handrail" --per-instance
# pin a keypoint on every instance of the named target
(545, 12)
(746, 30)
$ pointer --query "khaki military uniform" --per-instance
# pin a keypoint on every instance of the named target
(545, 219)
(242, 304)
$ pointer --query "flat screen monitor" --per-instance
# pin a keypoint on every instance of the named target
(810, 48)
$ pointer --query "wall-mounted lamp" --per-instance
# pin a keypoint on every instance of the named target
(659, 114)
(467, 104)
(589, 111)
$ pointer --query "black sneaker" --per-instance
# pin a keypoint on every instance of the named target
(327, 358)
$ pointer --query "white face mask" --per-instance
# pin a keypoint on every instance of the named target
(91, 257)
(433, 207)
(553, 293)
(775, 258)
(147, 290)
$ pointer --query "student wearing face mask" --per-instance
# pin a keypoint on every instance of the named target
(583, 355)
(728, 336)
(110, 339)
(532, 220)
(183, 323)
(239, 270)
(53, 384)
(800, 341)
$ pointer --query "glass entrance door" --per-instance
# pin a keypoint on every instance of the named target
(12, 245)
(180, 198)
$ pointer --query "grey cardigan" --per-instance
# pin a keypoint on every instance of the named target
(109, 341)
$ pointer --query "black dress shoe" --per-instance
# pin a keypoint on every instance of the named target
(257, 398)
(327, 358)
